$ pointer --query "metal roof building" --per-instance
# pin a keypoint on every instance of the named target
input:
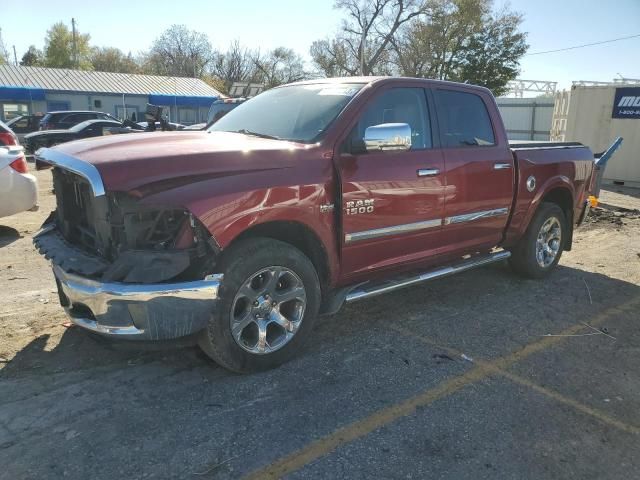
(36, 89)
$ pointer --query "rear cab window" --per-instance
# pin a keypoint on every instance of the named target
(464, 119)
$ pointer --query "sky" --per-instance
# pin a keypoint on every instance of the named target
(132, 26)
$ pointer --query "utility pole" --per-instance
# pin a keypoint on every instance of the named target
(362, 50)
(15, 56)
(74, 44)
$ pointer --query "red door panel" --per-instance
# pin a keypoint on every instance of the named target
(479, 170)
(478, 196)
(390, 214)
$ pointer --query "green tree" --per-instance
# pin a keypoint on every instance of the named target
(32, 57)
(432, 46)
(109, 59)
(59, 48)
(493, 54)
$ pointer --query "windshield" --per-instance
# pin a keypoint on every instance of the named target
(299, 113)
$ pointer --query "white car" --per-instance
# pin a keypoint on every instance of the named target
(18, 189)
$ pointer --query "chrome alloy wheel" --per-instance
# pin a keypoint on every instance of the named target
(267, 310)
(548, 242)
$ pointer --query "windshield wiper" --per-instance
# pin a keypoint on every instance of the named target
(244, 131)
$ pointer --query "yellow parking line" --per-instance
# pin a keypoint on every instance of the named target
(325, 445)
(603, 417)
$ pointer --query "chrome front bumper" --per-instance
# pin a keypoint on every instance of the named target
(159, 311)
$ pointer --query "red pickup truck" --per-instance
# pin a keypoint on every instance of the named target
(303, 198)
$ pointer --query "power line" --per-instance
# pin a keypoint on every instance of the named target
(582, 46)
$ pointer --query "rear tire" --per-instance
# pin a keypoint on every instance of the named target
(269, 299)
(539, 250)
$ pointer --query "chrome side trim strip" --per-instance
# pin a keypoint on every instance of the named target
(428, 172)
(361, 292)
(501, 166)
(395, 230)
(470, 217)
(67, 162)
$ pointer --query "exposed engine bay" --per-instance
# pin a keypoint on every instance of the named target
(114, 238)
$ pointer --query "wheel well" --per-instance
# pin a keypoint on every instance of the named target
(298, 235)
(562, 197)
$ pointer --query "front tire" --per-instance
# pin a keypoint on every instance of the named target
(268, 303)
(539, 250)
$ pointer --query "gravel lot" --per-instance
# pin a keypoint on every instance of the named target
(483, 375)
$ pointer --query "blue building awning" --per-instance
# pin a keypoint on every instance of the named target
(21, 94)
(181, 100)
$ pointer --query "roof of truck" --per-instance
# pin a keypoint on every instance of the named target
(382, 79)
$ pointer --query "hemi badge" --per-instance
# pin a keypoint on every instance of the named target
(326, 208)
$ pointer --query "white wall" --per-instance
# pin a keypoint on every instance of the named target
(526, 118)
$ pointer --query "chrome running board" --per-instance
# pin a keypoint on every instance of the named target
(367, 291)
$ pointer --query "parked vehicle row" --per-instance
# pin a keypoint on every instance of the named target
(303, 198)
(87, 129)
(66, 119)
(24, 124)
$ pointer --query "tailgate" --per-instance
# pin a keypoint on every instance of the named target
(601, 160)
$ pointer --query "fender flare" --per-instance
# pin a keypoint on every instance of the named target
(553, 183)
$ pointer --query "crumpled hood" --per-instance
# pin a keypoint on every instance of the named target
(131, 161)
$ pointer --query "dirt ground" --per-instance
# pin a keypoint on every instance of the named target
(463, 377)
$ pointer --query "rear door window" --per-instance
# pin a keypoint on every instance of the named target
(464, 119)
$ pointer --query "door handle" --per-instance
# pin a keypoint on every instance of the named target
(501, 166)
(428, 172)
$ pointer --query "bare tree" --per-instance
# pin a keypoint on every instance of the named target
(4, 53)
(236, 64)
(110, 59)
(281, 65)
(366, 35)
(240, 64)
(179, 52)
(333, 58)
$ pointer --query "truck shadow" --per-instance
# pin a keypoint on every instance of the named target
(624, 190)
(569, 293)
(8, 235)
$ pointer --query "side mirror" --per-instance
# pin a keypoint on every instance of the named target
(388, 136)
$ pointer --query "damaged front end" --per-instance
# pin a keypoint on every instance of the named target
(124, 268)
